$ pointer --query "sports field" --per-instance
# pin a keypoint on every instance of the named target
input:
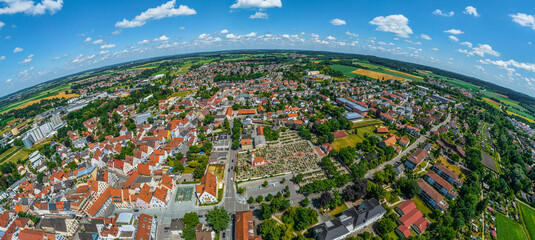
(508, 229)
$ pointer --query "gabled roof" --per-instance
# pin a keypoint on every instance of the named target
(160, 194)
(99, 202)
(244, 227)
(208, 184)
(407, 206)
(143, 169)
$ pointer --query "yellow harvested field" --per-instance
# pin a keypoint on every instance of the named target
(376, 75)
(59, 95)
(516, 114)
(406, 74)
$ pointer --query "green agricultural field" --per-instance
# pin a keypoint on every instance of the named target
(346, 70)
(500, 97)
(514, 106)
(44, 94)
(462, 84)
(508, 229)
(523, 114)
(528, 214)
(371, 66)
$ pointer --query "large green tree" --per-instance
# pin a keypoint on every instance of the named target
(218, 218)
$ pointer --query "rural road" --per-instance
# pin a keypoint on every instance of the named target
(414, 145)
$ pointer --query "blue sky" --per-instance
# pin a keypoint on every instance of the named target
(44, 39)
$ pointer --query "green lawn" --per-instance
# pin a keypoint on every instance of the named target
(508, 229)
(426, 211)
(361, 131)
(528, 214)
(367, 122)
(335, 212)
(3, 155)
(180, 94)
(350, 141)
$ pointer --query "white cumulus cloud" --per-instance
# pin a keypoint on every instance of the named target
(107, 46)
(162, 38)
(442, 13)
(2, 58)
(330, 38)
(252, 34)
(510, 63)
(470, 10)
(397, 24)
(30, 7)
(480, 51)
(256, 4)
(27, 59)
(483, 49)
(9, 80)
(259, 15)
(468, 44)
(144, 42)
(98, 41)
(348, 33)
(454, 38)
(337, 22)
(17, 49)
(163, 11)
(224, 31)
(454, 31)
(524, 20)
(425, 36)
(88, 39)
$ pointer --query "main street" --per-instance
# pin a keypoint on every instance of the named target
(413, 146)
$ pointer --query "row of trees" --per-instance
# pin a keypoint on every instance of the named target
(236, 132)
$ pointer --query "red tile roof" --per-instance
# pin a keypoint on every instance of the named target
(99, 202)
(407, 206)
(144, 227)
(143, 169)
(244, 227)
(208, 184)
